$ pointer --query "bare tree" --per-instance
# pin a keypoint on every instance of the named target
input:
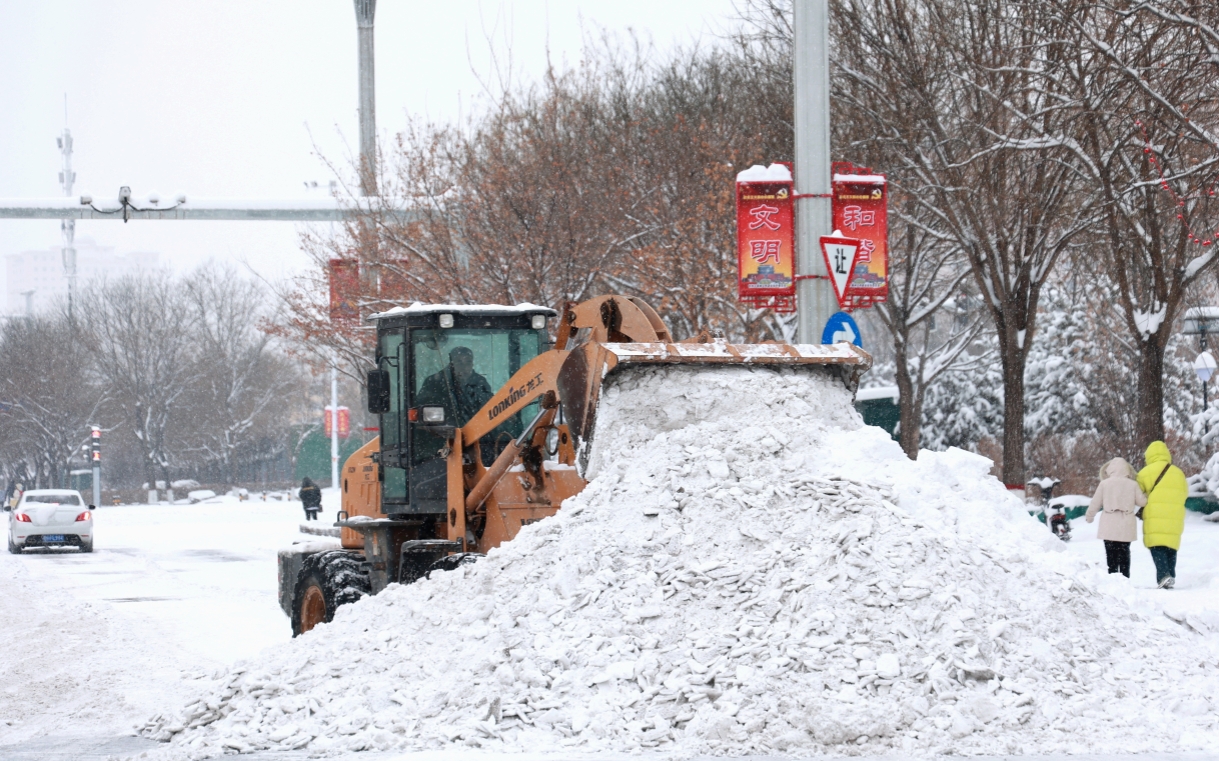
(926, 272)
(135, 328)
(48, 385)
(1146, 134)
(955, 91)
(237, 376)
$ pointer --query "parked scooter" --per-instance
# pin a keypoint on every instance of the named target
(1055, 515)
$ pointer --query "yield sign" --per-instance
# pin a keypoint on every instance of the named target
(840, 256)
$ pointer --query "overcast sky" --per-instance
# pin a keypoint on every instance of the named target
(228, 98)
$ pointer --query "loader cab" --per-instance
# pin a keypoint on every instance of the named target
(436, 366)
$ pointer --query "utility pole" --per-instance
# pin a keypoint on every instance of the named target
(95, 458)
(815, 300)
(365, 11)
(334, 424)
(68, 226)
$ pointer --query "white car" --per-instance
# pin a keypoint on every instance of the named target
(50, 518)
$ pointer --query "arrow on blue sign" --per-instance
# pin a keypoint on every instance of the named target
(840, 327)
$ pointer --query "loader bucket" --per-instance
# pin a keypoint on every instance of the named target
(587, 367)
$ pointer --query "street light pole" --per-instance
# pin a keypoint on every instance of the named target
(95, 458)
(68, 226)
(334, 424)
(815, 300)
(366, 10)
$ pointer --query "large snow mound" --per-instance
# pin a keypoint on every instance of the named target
(749, 571)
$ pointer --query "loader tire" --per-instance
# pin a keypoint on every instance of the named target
(326, 581)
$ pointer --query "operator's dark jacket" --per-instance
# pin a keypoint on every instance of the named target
(311, 496)
(468, 397)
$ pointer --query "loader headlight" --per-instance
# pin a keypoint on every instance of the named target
(446, 320)
(552, 442)
(538, 322)
(433, 414)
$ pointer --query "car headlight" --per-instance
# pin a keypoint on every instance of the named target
(433, 414)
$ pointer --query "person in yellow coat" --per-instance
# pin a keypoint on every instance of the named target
(1164, 516)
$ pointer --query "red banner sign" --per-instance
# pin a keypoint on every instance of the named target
(344, 421)
(861, 212)
(766, 256)
(344, 290)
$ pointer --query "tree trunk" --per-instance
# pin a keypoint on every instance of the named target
(909, 409)
(1150, 419)
(1013, 360)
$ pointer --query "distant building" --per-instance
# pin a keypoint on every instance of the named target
(42, 272)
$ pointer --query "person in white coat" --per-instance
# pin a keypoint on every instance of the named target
(1117, 499)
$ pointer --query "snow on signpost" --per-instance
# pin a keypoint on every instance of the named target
(766, 257)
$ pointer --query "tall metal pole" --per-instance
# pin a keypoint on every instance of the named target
(1206, 427)
(95, 456)
(68, 226)
(815, 301)
(365, 11)
(334, 425)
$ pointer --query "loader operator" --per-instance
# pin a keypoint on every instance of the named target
(460, 389)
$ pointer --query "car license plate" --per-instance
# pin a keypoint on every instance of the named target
(52, 537)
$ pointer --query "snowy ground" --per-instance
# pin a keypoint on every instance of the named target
(94, 644)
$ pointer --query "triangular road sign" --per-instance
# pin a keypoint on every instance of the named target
(840, 254)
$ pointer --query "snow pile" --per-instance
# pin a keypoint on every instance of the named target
(749, 571)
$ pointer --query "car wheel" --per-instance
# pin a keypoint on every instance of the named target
(86, 546)
(12, 547)
(327, 580)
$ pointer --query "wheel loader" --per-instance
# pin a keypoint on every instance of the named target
(485, 427)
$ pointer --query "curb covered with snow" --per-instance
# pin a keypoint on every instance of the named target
(750, 571)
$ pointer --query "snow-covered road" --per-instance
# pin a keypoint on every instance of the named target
(95, 644)
(1197, 588)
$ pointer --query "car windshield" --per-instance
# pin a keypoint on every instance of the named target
(52, 499)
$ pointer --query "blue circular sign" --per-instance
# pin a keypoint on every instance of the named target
(840, 327)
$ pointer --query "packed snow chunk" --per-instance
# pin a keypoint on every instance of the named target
(750, 571)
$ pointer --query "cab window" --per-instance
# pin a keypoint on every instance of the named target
(461, 370)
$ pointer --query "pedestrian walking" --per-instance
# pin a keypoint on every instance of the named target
(311, 498)
(1117, 498)
(1164, 516)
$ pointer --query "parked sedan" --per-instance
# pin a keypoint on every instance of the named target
(50, 518)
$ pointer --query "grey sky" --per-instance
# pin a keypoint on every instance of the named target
(220, 98)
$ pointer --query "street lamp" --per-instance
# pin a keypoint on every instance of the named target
(1199, 321)
(1204, 366)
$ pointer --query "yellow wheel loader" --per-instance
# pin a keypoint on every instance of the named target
(485, 427)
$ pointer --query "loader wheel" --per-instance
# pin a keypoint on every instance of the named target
(453, 562)
(327, 580)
